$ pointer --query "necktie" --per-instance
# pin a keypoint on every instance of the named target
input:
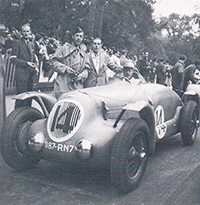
(30, 49)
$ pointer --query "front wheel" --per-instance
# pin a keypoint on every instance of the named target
(129, 155)
(189, 122)
(14, 138)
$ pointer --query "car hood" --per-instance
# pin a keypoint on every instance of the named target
(115, 94)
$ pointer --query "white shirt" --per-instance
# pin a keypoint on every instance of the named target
(96, 60)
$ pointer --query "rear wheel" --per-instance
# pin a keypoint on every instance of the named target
(189, 122)
(129, 155)
(14, 147)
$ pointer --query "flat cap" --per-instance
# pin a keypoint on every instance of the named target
(129, 64)
(77, 29)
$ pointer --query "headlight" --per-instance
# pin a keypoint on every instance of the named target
(84, 149)
(36, 143)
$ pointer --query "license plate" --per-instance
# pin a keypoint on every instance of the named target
(59, 147)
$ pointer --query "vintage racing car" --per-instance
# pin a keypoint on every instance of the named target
(113, 127)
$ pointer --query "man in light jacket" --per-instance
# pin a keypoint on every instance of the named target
(96, 63)
(68, 61)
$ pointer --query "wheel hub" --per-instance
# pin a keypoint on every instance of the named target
(132, 152)
(22, 138)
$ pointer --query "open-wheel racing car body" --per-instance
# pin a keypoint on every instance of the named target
(113, 127)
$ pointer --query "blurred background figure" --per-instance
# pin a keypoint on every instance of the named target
(123, 58)
(152, 72)
(178, 75)
(3, 35)
(161, 72)
(169, 69)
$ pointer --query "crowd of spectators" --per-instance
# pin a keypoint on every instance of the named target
(71, 60)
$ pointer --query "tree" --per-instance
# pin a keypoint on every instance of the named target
(181, 36)
(127, 22)
(120, 23)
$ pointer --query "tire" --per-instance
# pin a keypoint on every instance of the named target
(189, 122)
(14, 147)
(129, 149)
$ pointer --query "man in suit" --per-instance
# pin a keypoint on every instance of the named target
(23, 51)
(96, 63)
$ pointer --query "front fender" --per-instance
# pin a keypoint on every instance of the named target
(45, 101)
(143, 110)
(192, 94)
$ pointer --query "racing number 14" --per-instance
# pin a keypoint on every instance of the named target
(68, 115)
(161, 126)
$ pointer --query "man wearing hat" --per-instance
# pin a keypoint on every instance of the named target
(3, 34)
(68, 61)
(131, 72)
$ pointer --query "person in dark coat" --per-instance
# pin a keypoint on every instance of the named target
(144, 65)
(23, 51)
(178, 75)
(161, 72)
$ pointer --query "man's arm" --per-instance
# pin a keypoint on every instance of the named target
(115, 68)
(57, 64)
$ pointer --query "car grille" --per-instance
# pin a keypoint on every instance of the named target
(64, 120)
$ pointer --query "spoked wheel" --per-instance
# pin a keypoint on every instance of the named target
(189, 122)
(129, 155)
(15, 137)
(136, 156)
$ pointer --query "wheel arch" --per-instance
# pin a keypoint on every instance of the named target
(45, 101)
(191, 95)
(143, 110)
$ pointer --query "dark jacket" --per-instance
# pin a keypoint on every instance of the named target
(23, 54)
(178, 75)
(161, 73)
(189, 75)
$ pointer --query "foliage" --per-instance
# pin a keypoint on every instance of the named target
(127, 21)
(124, 24)
(124, 21)
(182, 36)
